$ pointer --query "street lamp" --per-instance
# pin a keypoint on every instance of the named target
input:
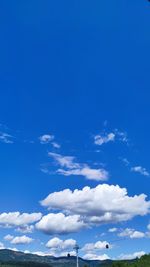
(77, 256)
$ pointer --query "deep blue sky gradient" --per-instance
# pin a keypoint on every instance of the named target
(65, 68)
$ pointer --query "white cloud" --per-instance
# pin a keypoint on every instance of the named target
(74, 168)
(13, 249)
(21, 240)
(46, 138)
(104, 139)
(13, 219)
(91, 174)
(52, 253)
(102, 204)
(64, 161)
(122, 136)
(92, 256)
(131, 233)
(8, 237)
(60, 245)
(55, 145)
(148, 227)
(135, 255)
(137, 169)
(6, 138)
(112, 230)
(60, 224)
(65, 253)
(141, 170)
(39, 253)
(99, 245)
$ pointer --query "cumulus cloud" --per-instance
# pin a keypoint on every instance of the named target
(102, 204)
(59, 244)
(60, 224)
(93, 256)
(131, 233)
(99, 245)
(71, 167)
(46, 138)
(20, 240)
(141, 170)
(134, 255)
(13, 219)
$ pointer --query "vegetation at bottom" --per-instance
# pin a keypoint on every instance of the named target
(24, 264)
(142, 262)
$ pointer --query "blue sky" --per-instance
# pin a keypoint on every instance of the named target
(74, 113)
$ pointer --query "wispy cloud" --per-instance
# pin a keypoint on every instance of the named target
(104, 139)
(55, 145)
(64, 161)
(71, 167)
(141, 170)
(89, 173)
(116, 135)
(125, 161)
(137, 169)
(6, 138)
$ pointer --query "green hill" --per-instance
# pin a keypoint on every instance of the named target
(144, 261)
(17, 258)
(9, 258)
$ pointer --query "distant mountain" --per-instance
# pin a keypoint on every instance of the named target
(9, 258)
(22, 259)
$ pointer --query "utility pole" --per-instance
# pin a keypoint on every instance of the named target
(77, 255)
